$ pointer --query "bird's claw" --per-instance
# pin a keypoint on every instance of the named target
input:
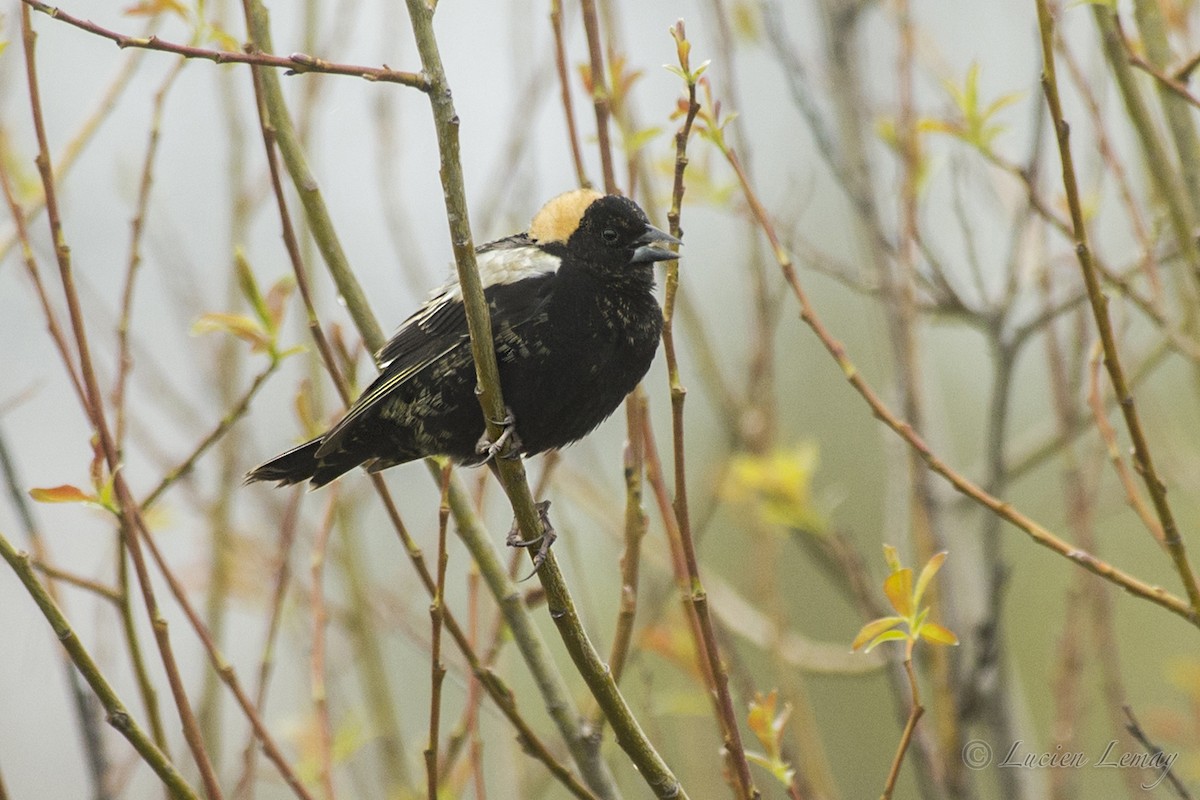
(508, 435)
(544, 541)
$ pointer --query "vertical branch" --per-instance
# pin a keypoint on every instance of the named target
(909, 726)
(273, 116)
(739, 768)
(511, 471)
(244, 789)
(1143, 461)
(600, 96)
(118, 716)
(85, 707)
(316, 668)
(134, 526)
(437, 670)
(564, 82)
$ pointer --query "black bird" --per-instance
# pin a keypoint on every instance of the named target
(575, 325)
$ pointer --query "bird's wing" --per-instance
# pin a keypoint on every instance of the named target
(440, 326)
(504, 261)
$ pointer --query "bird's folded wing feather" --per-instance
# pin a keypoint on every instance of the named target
(440, 326)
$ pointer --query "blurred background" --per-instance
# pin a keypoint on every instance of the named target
(903, 154)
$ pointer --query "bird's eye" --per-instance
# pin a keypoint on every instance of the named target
(609, 236)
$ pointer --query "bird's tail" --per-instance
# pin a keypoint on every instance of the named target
(301, 464)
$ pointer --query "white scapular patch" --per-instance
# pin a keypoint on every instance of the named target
(497, 266)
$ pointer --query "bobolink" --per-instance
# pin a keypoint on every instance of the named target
(575, 325)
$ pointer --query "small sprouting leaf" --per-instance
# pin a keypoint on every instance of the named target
(63, 494)
(938, 634)
(248, 285)
(239, 325)
(777, 486)
(585, 74)
(894, 635)
(911, 621)
(976, 126)
(873, 629)
(898, 588)
(276, 300)
(639, 139)
(927, 573)
(892, 558)
(767, 723)
(152, 8)
(222, 39)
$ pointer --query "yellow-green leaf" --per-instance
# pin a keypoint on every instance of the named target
(898, 588)
(892, 558)
(937, 634)
(873, 629)
(927, 573)
(151, 8)
(239, 325)
(886, 636)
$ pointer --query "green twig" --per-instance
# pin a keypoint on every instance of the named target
(133, 524)
(118, 716)
(707, 646)
(222, 427)
(1143, 461)
(316, 214)
(369, 329)
(437, 669)
(511, 470)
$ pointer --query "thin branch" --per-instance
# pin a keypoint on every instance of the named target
(287, 535)
(961, 483)
(1157, 753)
(294, 64)
(1143, 461)
(600, 94)
(564, 82)
(906, 736)
(279, 121)
(583, 653)
(118, 716)
(220, 429)
(316, 667)
(739, 768)
(133, 524)
(437, 670)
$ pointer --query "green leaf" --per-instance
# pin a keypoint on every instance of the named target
(927, 573)
(898, 588)
(152, 8)
(892, 558)
(875, 628)
(248, 285)
(886, 636)
(778, 768)
(636, 141)
(938, 634)
(239, 325)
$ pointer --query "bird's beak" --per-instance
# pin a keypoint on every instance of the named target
(647, 252)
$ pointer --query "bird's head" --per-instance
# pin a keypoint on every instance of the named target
(606, 231)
